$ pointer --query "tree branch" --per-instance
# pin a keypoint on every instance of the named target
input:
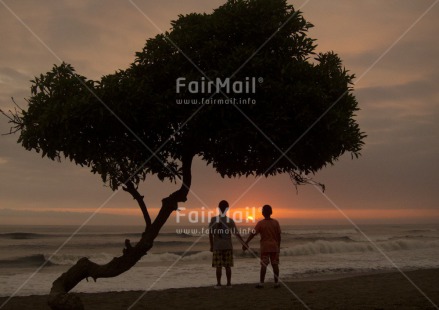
(60, 299)
(170, 204)
(130, 188)
(14, 118)
(181, 194)
(299, 179)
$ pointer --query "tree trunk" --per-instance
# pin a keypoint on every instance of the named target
(60, 299)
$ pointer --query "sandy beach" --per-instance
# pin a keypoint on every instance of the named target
(373, 291)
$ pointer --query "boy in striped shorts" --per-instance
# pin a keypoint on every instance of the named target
(221, 228)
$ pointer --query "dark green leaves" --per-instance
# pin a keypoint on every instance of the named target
(128, 124)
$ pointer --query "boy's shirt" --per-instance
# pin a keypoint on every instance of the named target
(221, 228)
(270, 234)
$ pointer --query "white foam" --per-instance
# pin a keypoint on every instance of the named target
(326, 247)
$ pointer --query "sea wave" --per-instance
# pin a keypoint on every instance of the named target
(23, 235)
(173, 256)
(322, 232)
(309, 248)
(317, 238)
(27, 235)
(421, 230)
(48, 260)
(36, 260)
(97, 243)
(327, 247)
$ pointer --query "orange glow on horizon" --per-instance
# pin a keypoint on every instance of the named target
(311, 214)
(253, 215)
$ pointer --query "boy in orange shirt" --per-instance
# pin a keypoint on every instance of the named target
(269, 229)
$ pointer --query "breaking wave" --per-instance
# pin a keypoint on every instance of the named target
(326, 247)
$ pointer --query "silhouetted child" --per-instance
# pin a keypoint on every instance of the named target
(269, 229)
(221, 228)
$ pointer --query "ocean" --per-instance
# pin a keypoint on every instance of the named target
(181, 258)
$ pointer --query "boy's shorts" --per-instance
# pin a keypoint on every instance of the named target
(267, 257)
(222, 258)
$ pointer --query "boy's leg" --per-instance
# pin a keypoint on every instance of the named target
(228, 263)
(216, 262)
(264, 262)
(218, 275)
(276, 272)
(274, 258)
(262, 274)
(229, 275)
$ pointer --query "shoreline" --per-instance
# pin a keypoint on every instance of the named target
(381, 290)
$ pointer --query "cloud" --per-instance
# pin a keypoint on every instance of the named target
(8, 74)
(11, 85)
(346, 26)
(403, 112)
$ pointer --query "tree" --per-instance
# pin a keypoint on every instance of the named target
(128, 125)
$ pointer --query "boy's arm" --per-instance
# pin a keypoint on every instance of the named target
(279, 241)
(237, 234)
(211, 236)
(254, 232)
(250, 237)
(240, 238)
(279, 235)
(211, 240)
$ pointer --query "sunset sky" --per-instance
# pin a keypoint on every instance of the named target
(391, 46)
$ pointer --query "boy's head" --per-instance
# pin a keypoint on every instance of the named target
(267, 211)
(223, 206)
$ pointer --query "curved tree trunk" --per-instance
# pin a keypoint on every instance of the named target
(60, 299)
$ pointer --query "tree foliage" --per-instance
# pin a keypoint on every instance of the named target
(127, 124)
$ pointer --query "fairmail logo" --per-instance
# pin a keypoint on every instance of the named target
(204, 86)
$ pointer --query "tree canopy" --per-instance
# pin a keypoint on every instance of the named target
(128, 124)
